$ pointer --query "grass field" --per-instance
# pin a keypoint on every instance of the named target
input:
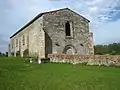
(15, 74)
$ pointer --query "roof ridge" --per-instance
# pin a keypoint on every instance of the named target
(40, 14)
(31, 21)
(55, 10)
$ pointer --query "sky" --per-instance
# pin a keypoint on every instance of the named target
(104, 16)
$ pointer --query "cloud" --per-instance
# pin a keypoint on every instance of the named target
(97, 11)
(107, 33)
(15, 13)
(3, 43)
(103, 14)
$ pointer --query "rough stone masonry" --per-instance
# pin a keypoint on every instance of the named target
(106, 60)
(55, 32)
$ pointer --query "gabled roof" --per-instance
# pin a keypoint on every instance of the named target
(39, 15)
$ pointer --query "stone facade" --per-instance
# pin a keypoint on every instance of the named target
(31, 40)
(106, 60)
(55, 32)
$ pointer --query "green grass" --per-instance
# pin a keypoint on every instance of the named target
(15, 74)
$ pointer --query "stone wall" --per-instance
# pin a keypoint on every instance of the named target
(48, 45)
(80, 40)
(34, 40)
(16, 43)
(37, 39)
(106, 60)
(47, 35)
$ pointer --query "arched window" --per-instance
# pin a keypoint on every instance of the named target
(67, 29)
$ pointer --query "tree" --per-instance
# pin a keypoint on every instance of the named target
(112, 49)
(6, 54)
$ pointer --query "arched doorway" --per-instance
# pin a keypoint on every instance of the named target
(69, 49)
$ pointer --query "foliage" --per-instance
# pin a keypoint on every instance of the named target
(112, 49)
(2, 54)
(15, 74)
(6, 54)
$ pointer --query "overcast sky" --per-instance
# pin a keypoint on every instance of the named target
(103, 14)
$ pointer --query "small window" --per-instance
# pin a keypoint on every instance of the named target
(23, 40)
(67, 29)
(57, 44)
(81, 45)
